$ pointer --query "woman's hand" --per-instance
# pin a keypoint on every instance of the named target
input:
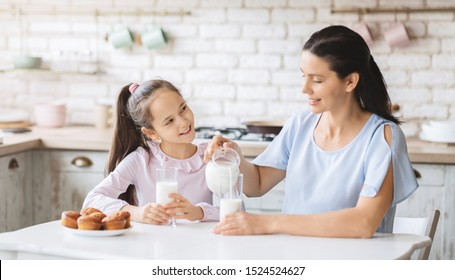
(181, 208)
(216, 143)
(243, 223)
(150, 213)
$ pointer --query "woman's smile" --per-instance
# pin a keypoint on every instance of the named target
(313, 101)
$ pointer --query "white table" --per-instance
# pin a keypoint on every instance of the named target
(195, 241)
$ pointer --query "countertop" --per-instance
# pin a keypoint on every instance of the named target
(189, 241)
(91, 138)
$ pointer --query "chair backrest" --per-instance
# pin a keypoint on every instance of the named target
(423, 226)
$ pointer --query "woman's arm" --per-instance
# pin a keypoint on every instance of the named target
(360, 221)
(258, 180)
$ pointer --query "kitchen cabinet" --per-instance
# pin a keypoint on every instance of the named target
(63, 179)
(270, 203)
(436, 191)
(15, 192)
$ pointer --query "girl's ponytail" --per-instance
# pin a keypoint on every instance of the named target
(127, 138)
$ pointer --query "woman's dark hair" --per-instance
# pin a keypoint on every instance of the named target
(133, 113)
(346, 52)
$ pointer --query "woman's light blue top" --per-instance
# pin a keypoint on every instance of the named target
(319, 181)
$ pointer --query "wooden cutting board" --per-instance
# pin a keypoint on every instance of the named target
(15, 124)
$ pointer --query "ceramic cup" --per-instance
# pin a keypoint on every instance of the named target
(153, 37)
(121, 37)
(103, 115)
(362, 29)
(396, 35)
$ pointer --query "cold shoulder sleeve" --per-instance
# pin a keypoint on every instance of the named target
(377, 160)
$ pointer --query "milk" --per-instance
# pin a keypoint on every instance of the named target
(221, 176)
(228, 206)
(163, 189)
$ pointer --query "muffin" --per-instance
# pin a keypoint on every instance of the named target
(89, 222)
(69, 219)
(118, 220)
(89, 210)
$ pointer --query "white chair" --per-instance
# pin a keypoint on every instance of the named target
(423, 226)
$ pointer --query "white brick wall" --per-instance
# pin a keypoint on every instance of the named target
(232, 59)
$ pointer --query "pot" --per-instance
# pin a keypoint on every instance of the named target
(50, 115)
(264, 127)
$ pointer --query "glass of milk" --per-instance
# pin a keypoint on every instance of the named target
(166, 183)
(231, 200)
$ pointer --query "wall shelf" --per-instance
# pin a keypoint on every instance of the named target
(392, 10)
(127, 11)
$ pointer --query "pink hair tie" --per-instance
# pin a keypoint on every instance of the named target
(133, 87)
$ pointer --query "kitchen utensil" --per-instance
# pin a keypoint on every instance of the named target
(153, 37)
(16, 130)
(231, 201)
(264, 127)
(121, 37)
(396, 35)
(438, 131)
(103, 115)
(13, 116)
(222, 171)
(27, 62)
(363, 30)
(50, 115)
(166, 183)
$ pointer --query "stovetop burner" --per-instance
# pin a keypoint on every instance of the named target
(233, 133)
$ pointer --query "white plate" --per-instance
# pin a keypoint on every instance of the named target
(436, 138)
(7, 116)
(99, 233)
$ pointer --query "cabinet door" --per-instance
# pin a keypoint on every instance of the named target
(72, 175)
(429, 196)
(15, 192)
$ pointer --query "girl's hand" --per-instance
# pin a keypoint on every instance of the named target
(243, 223)
(181, 208)
(216, 143)
(150, 213)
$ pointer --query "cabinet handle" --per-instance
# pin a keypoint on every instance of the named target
(81, 162)
(13, 164)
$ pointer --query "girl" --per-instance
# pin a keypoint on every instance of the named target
(345, 161)
(155, 128)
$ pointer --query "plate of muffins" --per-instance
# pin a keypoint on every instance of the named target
(93, 222)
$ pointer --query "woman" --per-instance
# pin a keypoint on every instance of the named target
(345, 161)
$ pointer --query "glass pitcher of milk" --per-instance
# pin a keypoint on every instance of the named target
(222, 171)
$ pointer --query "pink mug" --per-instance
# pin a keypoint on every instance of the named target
(396, 35)
(362, 29)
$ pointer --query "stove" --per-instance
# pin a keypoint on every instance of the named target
(232, 133)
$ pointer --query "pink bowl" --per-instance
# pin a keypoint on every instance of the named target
(50, 115)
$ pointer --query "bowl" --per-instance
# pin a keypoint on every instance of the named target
(50, 115)
(27, 62)
(438, 131)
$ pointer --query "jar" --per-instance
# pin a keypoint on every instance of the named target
(222, 171)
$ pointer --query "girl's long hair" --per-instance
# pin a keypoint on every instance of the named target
(346, 52)
(133, 113)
